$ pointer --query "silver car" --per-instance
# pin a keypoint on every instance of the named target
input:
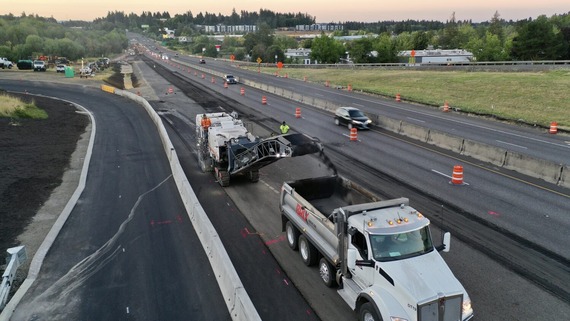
(352, 117)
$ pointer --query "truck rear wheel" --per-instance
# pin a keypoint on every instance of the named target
(309, 253)
(368, 313)
(292, 234)
(327, 272)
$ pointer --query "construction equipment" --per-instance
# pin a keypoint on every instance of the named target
(379, 253)
(226, 147)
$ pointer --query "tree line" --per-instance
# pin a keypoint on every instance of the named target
(543, 38)
(29, 37)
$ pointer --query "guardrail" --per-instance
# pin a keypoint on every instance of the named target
(17, 257)
(484, 65)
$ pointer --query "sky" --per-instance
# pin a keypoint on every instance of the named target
(323, 10)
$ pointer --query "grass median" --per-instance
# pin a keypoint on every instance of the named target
(536, 98)
(13, 107)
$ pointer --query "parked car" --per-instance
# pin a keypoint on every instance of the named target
(202, 61)
(60, 68)
(5, 63)
(39, 65)
(25, 64)
(352, 117)
(230, 79)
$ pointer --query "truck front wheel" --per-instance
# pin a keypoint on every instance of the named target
(368, 313)
(292, 234)
(309, 253)
(327, 272)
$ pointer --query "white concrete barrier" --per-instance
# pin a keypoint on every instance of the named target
(534, 167)
(565, 177)
(414, 131)
(484, 152)
(237, 300)
(445, 140)
(390, 124)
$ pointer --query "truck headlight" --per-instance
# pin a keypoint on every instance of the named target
(467, 310)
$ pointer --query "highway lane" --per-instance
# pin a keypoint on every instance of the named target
(525, 140)
(522, 205)
(489, 283)
(128, 250)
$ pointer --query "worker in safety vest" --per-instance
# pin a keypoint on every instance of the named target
(206, 122)
(284, 128)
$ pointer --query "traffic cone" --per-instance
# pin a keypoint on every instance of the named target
(225, 84)
(445, 107)
(327, 83)
(553, 127)
(264, 100)
(305, 78)
(213, 80)
(349, 87)
(398, 98)
(297, 112)
(203, 76)
(457, 175)
(353, 134)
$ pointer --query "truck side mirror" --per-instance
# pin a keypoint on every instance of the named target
(351, 259)
(446, 241)
(446, 245)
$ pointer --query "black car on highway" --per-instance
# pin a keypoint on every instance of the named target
(352, 117)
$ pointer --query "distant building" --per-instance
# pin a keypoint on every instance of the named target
(319, 27)
(223, 29)
(299, 55)
(437, 56)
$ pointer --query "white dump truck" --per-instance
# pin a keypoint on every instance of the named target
(380, 253)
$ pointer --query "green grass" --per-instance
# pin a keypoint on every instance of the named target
(531, 97)
(12, 107)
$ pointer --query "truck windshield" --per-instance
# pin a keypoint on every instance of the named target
(399, 246)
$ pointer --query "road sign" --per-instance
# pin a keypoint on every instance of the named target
(258, 60)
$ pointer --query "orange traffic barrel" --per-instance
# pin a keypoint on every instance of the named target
(242, 91)
(349, 87)
(457, 175)
(445, 107)
(263, 100)
(304, 78)
(170, 90)
(297, 112)
(203, 76)
(398, 97)
(213, 80)
(327, 83)
(225, 84)
(553, 127)
(353, 134)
